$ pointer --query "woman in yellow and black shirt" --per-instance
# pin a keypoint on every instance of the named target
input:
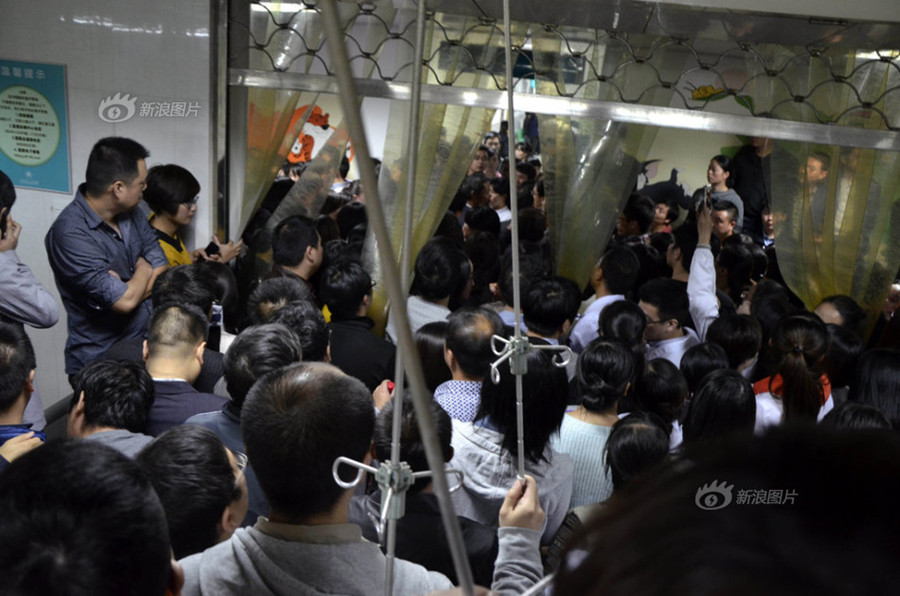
(172, 194)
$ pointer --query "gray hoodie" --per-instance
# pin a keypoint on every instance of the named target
(318, 560)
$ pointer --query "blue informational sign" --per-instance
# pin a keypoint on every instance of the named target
(34, 126)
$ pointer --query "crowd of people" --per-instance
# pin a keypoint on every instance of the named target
(706, 430)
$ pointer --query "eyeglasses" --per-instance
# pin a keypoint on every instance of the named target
(649, 322)
(190, 202)
(241, 461)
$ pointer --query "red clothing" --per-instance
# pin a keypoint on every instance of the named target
(774, 385)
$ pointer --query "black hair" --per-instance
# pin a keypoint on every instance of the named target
(273, 294)
(852, 415)
(745, 549)
(604, 371)
(412, 446)
(192, 285)
(727, 165)
(723, 405)
(625, 320)
(175, 327)
(296, 421)
(527, 169)
(728, 207)
(441, 270)
(256, 351)
(640, 209)
(352, 215)
(736, 259)
(17, 360)
(548, 303)
(190, 472)
(621, 269)
(483, 250)
(662, 390)
(472, 184)
(7, 191)
(878, 382)
(669, 297)
(636, 443)
(116, 394)
(429, 340)
(842, 357)
(852, 314)
(532, 224)
(823, 158)
(292, 236)
(483, 219)
(530, 268)
(545, 390)
(501, 187)
(799, 343)
(168, 186)
(306, 320)
(739, 335)
(81, 518)
(469, 333)
(343, 286)
(112, 159)
(327, 229)
(225, 287)
(700, 360)
(769, 305)
(686, 240)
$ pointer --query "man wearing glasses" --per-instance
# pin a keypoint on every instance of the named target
(665, 304)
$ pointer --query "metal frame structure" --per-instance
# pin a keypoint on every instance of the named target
(394, 476)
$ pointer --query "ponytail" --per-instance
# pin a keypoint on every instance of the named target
(800, 341)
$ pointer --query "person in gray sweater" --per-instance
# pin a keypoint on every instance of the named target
(296, 422)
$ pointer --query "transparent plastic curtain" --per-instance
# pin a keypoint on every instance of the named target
(590, 165)
(448, 135)
(839, 234)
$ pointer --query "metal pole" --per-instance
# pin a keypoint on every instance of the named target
(514, 207)
(405, 252)
(421, 397)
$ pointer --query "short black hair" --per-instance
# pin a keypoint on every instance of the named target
(662, 390)
(296, 421)
(530, 268)
(7, 191)
(116, 394)
(256, 351)
(412, 446)
(636, 443)
(686, 239)
(852, 415)
(877, 382)
(548, 303)
(168, 186)
(225, 288)
(621, 269)
(343, 286)
(623, 319)
(728, 207)
(604, 371)
(640, 209)
(483, 219)
(189, 469)
(669, 297)
(273, 294)
(292, 236)
(185, 284)
(739, 335)
(306, 320)
(472, 184)
(852, 314)
(469, 333)
(526, 168)
(175, 326)
(113, 159)
(723, 405)
(352, 215)
(544, 396)
(81, 518)
(441, 270)
(699, 360)
(532, 224)
(842, 357)
(17, 360)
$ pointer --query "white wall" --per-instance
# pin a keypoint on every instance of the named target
(155, 51)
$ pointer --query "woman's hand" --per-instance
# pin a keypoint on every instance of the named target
(226, 251)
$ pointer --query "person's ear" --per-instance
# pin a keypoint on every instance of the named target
(145, 352)
(229, 522)
(199, 352)
(309, 253)
(449, 358)
(29, 382)
(176, 578)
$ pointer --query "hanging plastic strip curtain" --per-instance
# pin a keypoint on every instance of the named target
(448, 136)
(840, 205)
(590, 166)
